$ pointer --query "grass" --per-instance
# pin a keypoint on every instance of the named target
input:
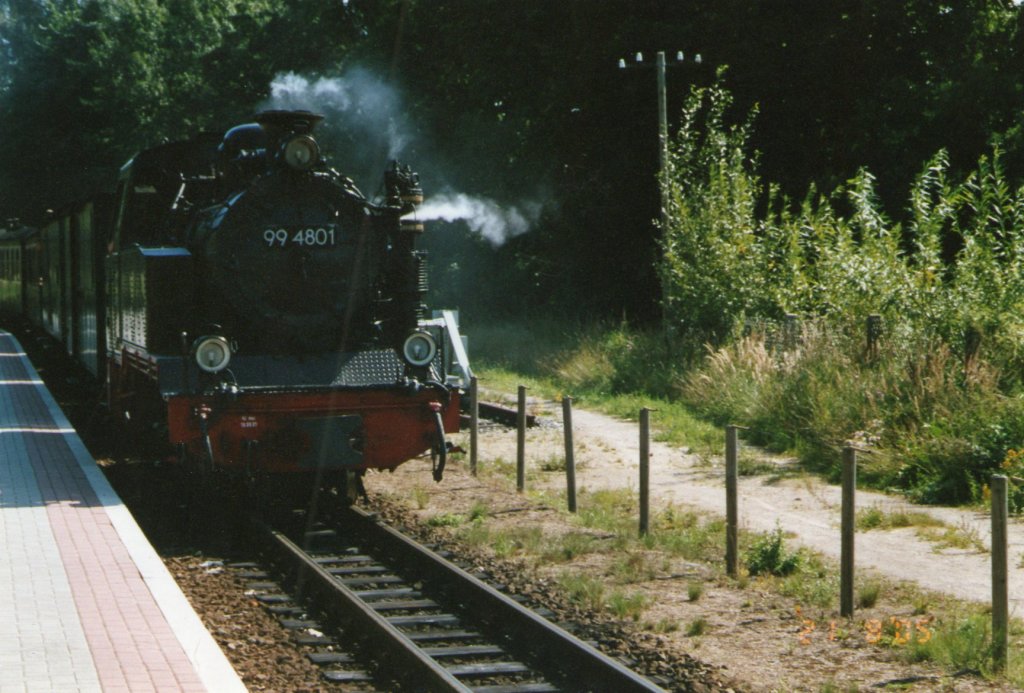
(960, 537)
(751, 464)
(662, 625)
(582, 589)
(814, 583)
(421, 497)
(591, 593)
(868, 593)
(571, 546)
(963, 642)
(602, 368)
(697, 627)
(927, 527)
(876, 517)
(554, 463)
(629, 605)
(632, 567)
(446, 520)
(767, 555)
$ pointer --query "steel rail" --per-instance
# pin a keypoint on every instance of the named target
(403, 659)
(590, 668)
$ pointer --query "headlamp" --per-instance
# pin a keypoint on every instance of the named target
(212, 353)
(419, 349)
(301, 152)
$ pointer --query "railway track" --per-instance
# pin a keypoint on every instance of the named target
(409, 619)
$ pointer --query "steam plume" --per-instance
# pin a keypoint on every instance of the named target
(492, 221)
(366, 127)
(366, 123)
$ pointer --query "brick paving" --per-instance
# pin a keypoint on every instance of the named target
(85, 603)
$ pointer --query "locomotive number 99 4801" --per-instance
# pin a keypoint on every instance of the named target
(318, 237)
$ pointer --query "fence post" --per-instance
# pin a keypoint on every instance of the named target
(474, 423)
(791, 331)
(570, 457)
(521, 440)
(645, 469)
(873, 329)
(1000, 595)
(849, 514)
(972, 343)
(731, 500)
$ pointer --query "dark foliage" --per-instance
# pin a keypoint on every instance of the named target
(521, 101)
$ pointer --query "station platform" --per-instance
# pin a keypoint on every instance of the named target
(86, 604)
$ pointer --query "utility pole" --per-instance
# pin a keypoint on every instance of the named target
(663, 138)
(660, 67)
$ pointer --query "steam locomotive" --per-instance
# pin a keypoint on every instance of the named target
(242, 296)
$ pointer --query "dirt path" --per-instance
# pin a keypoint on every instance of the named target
(607, 451)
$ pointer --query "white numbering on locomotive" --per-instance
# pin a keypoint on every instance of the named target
(315, 237)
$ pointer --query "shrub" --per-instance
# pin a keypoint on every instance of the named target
(768, 555)
(943, 389)
(964, 644)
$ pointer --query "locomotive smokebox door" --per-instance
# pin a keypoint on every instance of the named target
(332, 441)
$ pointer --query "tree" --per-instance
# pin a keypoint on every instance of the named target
(86, 84)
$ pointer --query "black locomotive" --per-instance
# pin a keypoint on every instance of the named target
(251, 301)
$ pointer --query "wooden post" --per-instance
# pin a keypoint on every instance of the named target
(791, 332)
(645, 469)
(521, 440)
(570, 457)
(731, 500)
(873, 330)
(1000, 594)
(849, 514)
(474, 423)
(972, 343)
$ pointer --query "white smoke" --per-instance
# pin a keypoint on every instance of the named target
(366, 127)
(369, 109)
(483, 216)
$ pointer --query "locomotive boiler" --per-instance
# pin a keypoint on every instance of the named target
(270, 317)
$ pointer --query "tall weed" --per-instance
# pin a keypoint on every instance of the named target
(940, 393)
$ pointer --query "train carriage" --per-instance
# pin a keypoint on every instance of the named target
(89, 222)
(16, 249)
(63, 289)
